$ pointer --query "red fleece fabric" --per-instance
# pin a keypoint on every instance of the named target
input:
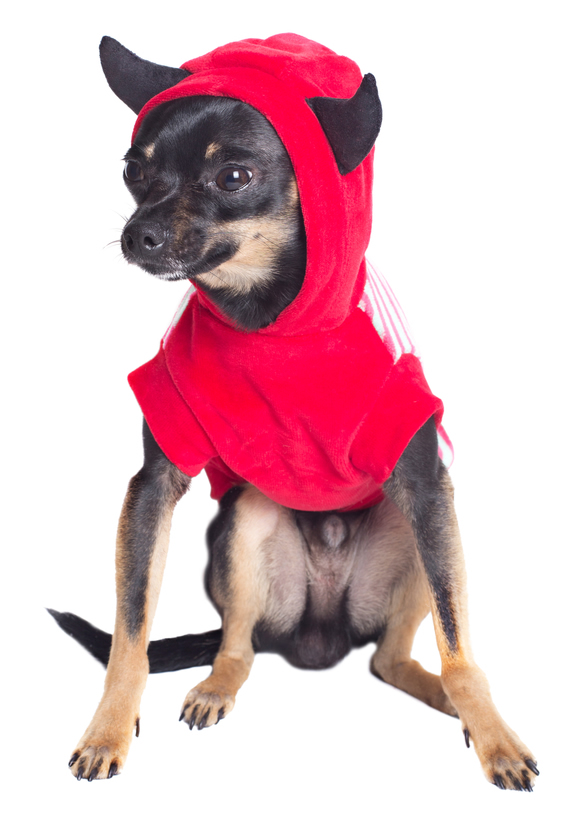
(313, 409)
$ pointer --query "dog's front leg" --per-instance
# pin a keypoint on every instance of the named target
(421, 488)
(142, 543)
(240, 585)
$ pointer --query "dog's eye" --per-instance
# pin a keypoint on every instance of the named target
(133, 171)
(233, 179)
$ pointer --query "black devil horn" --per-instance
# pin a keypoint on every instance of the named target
(132, 79)
(351, 125)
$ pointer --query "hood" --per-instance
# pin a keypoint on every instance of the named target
(277, 76)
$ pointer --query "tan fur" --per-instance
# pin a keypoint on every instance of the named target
(181, 223)
(499, 749)
(380, 565)
(294, 199)
(384, 578)
(157, 565)
(244, 603)
(105, 743)
(259, 240)
(211, 150)
(314, 582)
(389, 581)
(501, 752)
(392, 660)
(273, 572)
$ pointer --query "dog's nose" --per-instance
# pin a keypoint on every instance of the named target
(143, 240)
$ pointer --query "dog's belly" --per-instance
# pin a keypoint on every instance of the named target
(332, 577)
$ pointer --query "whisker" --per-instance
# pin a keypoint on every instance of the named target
(123, 217)
(113, 243)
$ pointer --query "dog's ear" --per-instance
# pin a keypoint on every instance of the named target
(132, 79)
(351, 125)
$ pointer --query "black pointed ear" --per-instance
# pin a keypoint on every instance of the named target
(351, 125)
(132, 79)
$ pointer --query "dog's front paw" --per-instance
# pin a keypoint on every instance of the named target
(206, 704)
(95, 762)
(506, 761)
(101, 753)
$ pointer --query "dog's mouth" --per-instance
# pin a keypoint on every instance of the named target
(159, 260)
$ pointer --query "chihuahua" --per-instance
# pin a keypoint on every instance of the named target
(297, 565)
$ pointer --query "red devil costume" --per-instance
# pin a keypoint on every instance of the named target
(316, 408)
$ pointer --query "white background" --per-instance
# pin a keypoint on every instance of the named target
(467, 228)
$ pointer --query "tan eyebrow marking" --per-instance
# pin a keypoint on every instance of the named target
(211, 149)
(149, 150)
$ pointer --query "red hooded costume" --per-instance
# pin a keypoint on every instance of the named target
(316, 408)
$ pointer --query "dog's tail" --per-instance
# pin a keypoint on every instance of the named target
(166, 655)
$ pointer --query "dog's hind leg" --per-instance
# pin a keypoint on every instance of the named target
(392, 661)
(239, 586)
(142, 543)
(421, 488)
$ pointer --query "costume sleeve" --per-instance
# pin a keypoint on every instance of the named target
(405, 403)
(171, 421)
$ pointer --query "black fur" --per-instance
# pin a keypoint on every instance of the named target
(185, 226)
(176, 231)
(149, 496)
(205, 174)
(416, 486)
(219, 535)
(315, 642)
(166, 655)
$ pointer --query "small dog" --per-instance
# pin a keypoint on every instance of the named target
(307, 558)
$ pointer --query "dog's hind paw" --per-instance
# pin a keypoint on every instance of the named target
(206, 705)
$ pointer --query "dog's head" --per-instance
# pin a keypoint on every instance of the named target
(217, 204)
(217, 197)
